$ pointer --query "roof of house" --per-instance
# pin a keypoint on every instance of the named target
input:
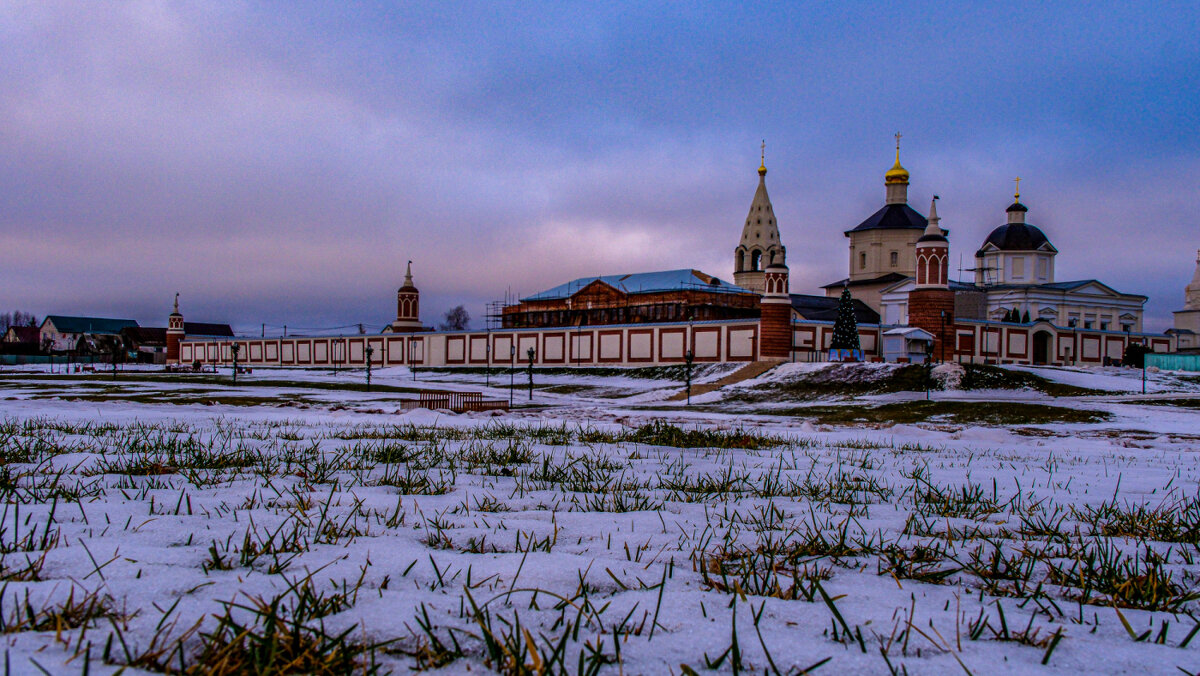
(145, 335)
(822, 308)
(910, 332)
(889, 278)
(892, 217)
(645, 282)
(88, 324)
(25, 334)
(208, 330)
(1052, 286)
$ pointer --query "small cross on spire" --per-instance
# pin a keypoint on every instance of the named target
(1017, 192)
(897, 141)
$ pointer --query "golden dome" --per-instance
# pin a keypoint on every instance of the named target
(762, 170)
(897, 174)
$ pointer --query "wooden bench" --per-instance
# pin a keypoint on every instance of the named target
(458, 402)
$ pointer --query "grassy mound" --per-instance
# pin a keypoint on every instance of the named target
(1001, 413)
(849, 380)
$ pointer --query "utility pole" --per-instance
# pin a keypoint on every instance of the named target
(235, 348)
(512, 369)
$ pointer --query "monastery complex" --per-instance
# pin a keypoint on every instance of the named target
(1013, 310)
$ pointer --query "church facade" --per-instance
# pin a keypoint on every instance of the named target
(1187, 320)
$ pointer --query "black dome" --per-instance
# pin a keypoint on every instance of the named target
(1017, 206)
(892, 217)
(1015, 237)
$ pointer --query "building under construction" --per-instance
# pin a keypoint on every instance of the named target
(672, 295)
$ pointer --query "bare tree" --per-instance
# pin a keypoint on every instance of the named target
(17, 318)
(456, 319)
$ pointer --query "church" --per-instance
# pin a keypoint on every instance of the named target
(1013, 274)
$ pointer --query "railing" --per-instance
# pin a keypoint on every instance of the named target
(458, 402)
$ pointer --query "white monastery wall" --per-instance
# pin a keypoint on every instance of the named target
(653, 344)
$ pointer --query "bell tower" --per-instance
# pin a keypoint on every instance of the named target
(408, 305)
(760, 246)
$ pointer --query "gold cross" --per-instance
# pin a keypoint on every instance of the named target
(897, 140)
(764, 153)
(1017, 194)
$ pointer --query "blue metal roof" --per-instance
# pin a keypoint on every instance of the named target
(644, 282)
(88, 324)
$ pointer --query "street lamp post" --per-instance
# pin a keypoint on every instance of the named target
(1074, 339)
(370, 351)
(530, 353)
(235, 348)
(512, 369)
(942, 338)
(487, 364)
(688, 357)
(412, 357)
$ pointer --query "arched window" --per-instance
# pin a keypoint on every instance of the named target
(755, 260)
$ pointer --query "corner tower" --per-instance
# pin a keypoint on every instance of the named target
(760, 245)
(175, 333)
(408, 305)
(775, 321)
(931, 303)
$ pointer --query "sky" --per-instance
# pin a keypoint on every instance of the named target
(280, 162)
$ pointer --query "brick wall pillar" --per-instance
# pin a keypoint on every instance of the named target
(925, 308)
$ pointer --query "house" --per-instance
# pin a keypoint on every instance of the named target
(65, 333)
(21, 340)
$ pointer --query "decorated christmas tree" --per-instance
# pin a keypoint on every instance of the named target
(845, 329)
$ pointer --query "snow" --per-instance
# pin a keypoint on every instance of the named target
(144, 540)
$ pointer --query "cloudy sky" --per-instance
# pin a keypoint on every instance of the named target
(278, 162)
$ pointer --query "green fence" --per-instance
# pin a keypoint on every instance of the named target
(22, 359)
(1174, 362)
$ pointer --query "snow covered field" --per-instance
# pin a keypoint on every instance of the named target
(143, 526)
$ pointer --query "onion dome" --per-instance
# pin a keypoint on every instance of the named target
(897, 174)
(1017, 237)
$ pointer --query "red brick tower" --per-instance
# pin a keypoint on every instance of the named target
(775, 323)
(931, 304)
(175, 333)
(408, 305)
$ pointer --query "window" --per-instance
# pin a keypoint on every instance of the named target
(1087, 324)
(894, 258)
(755, 260)
(1018, 268)
(862, 260)
(1103, 326)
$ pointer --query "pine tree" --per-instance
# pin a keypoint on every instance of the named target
(1025, 317)
(845, 329)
